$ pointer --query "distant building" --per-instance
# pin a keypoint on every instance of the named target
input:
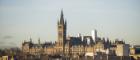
(94, 35)
(75, 46)
(4, 57)
(122, 50)
(7, 58)
(135, 51)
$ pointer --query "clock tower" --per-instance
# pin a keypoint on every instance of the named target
(61, 31)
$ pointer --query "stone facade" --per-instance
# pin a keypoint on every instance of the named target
(68, 45)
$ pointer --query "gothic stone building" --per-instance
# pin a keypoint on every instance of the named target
(80, 45)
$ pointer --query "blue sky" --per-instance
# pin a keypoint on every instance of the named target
(22, 19)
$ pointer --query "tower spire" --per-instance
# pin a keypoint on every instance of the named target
(61, 18)
(39, 40)
(30, 39)
(61, 32)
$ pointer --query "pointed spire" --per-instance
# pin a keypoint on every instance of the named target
(38, 40)
(61, 18)
(30, 39)
(65, 22)
(61, 12)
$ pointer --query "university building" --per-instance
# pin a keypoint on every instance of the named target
(75, 46)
